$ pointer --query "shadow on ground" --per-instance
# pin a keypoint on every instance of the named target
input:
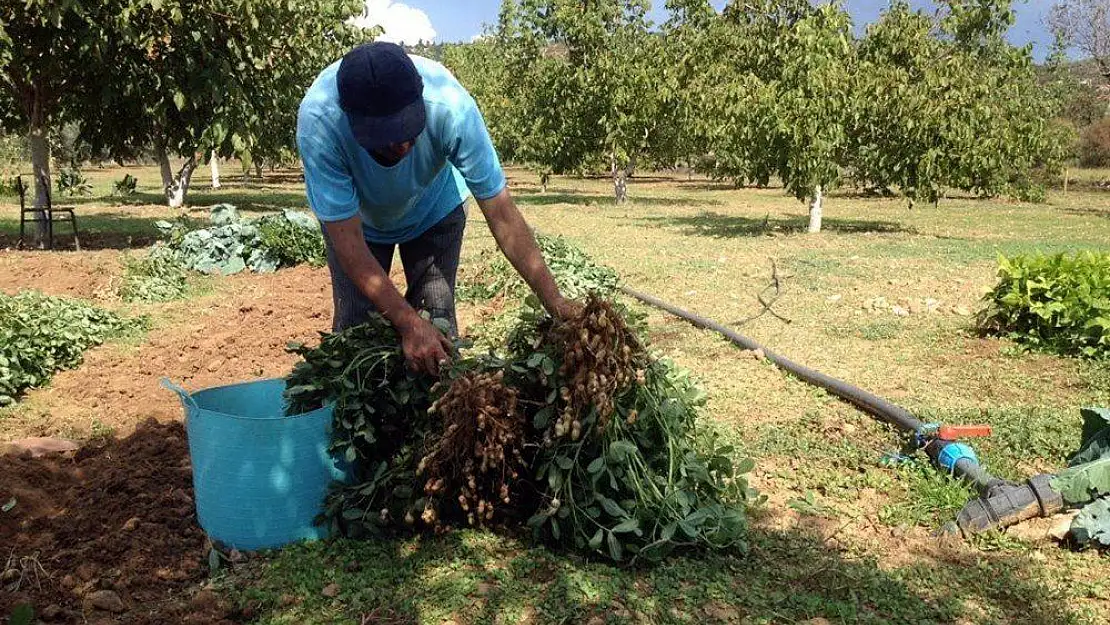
(99, 231)
(716, 225)
(787, 577)
(584, 199)
(250, 198)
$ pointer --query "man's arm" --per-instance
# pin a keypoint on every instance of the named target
(519, 245)
(424, 346)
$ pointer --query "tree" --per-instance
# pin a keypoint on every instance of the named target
(1084, 24)
(44, 46)
(212, 76)
(774, 95)
(583, 83)
(949, 103)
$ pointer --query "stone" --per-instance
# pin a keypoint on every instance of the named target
(106, 600)
(331, 590)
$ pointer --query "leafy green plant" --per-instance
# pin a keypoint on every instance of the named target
(72, 182)
(125, 186)
(1092, 525)
(294, 238)
(231, 244)
(575, 272)
(157, 277)
(617, 466)
(1055, 303)
(40, 335)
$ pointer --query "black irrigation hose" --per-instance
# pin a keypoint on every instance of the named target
(867, 402)
(1000, 504)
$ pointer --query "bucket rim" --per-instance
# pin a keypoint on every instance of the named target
(327, 407)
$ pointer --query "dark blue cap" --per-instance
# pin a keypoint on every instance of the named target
(382, 94)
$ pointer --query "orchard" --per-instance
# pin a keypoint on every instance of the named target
(766, 311)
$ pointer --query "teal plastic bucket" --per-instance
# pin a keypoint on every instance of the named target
(260, 476)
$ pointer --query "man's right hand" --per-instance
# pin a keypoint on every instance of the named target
(425, 347)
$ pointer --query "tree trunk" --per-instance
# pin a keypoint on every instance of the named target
(620, 184)
(214, 163)
(544, 178)
(175, 187)
(40, 167)
(815, 209)
(258, 170)
(620, 180)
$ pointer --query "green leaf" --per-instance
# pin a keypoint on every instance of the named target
(353, 514)
(1083, 483)
(542, 418)
(621, 450)
(612, 507)
(615, 550)
(1093, 523)
(564, 463)
(631, 525)
(179, 100)
(1095, 442)
(8, 506)
(597, 465)
(595, 541)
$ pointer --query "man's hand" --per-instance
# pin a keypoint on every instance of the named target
(425, 347)
(565, 309)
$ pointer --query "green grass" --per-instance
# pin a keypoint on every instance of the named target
(787, 577)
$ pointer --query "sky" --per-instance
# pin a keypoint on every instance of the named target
(461, 20)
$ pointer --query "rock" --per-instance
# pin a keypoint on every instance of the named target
(1061, 525)
(722, 613)
(331, 590)
(961, 311)
(932, 305)
(899, 311)
(106, 600)
(287, 600)
(484, 588)
(39, 446)
(204, 601)
(215, 365)
(832, 299)
(131, 524)
(848, 429)
(51, 612)
(759, 355)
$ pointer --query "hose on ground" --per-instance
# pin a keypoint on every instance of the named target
(1000, 503)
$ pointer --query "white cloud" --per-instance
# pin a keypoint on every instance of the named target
(402, 23)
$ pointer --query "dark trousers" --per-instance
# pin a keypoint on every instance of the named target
(430, 261)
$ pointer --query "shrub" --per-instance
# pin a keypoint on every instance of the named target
(230, 243)
(1094, 145)
(294, 238)
(125, 186)
(157, 277)
(72, 182)
(1054, 303)
(40, 335)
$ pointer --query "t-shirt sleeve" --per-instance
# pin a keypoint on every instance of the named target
(471, 151)
(328, 183)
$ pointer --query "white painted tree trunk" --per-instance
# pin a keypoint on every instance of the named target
(176, 187)
(40, 167)
(215, 165)
(815, 209)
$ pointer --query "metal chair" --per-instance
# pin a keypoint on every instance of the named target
(49, 213)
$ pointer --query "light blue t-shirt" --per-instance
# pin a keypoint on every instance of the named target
(452, 156)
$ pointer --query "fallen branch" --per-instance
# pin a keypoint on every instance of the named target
(776, 284)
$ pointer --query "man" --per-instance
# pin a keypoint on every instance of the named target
(391, 146)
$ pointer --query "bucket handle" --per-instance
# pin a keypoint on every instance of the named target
(186, 398)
